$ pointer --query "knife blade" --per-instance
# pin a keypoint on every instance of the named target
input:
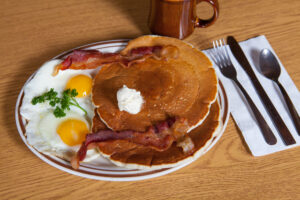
(238, 53)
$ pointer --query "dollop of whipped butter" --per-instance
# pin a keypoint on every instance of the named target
(129, 100)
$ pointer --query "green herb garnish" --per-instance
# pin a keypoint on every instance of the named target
(62, 104)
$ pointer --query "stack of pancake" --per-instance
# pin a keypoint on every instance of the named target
(179, 83)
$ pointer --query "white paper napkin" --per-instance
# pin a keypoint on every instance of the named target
(239, 109)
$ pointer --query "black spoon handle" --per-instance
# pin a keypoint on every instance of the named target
(292, 109)
(262, 124)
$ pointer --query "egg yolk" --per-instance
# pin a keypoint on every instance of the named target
(72, 131)
(82, 83)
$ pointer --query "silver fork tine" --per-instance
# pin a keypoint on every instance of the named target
(226, 53)
(213, 53)
(223, 48)
(217, 58)
(220, 50)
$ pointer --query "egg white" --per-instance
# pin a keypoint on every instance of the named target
(42, 124)
(41, 133)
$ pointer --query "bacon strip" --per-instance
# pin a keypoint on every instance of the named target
(88, 59)
(158, 137)
(91, 59)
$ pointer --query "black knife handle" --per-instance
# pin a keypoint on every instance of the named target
(283, 130)
(277, 120)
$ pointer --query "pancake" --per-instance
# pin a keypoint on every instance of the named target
(182, 86)
(131, 155)
(179, 118)
(97, 123)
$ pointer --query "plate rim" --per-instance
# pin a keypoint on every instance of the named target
(147, 173)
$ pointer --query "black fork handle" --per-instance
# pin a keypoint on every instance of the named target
(264, 127)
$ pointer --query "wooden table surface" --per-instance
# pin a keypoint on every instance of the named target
(35, 31)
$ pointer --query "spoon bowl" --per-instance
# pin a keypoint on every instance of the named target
(269, 65)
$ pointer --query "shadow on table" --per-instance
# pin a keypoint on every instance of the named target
(136, 10)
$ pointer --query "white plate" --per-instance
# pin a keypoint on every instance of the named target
(101, 168)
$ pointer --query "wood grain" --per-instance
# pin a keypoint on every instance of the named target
(35, 31)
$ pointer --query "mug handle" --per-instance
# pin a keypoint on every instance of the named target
(202, 23)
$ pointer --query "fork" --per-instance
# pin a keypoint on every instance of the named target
(221, 57)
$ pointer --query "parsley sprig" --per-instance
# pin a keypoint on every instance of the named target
(62, 104)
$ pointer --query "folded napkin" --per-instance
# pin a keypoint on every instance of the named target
(238, 107)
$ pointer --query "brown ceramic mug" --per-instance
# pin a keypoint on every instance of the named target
(177, 18)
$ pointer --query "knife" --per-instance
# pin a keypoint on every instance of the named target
(284, 132)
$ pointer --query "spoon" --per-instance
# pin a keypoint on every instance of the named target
(270, 68)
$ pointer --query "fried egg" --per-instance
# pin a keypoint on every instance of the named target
(60, 137)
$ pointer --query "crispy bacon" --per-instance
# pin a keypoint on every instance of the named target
(87, 59)
(142, 51)
(158, 137)
(91, 59)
